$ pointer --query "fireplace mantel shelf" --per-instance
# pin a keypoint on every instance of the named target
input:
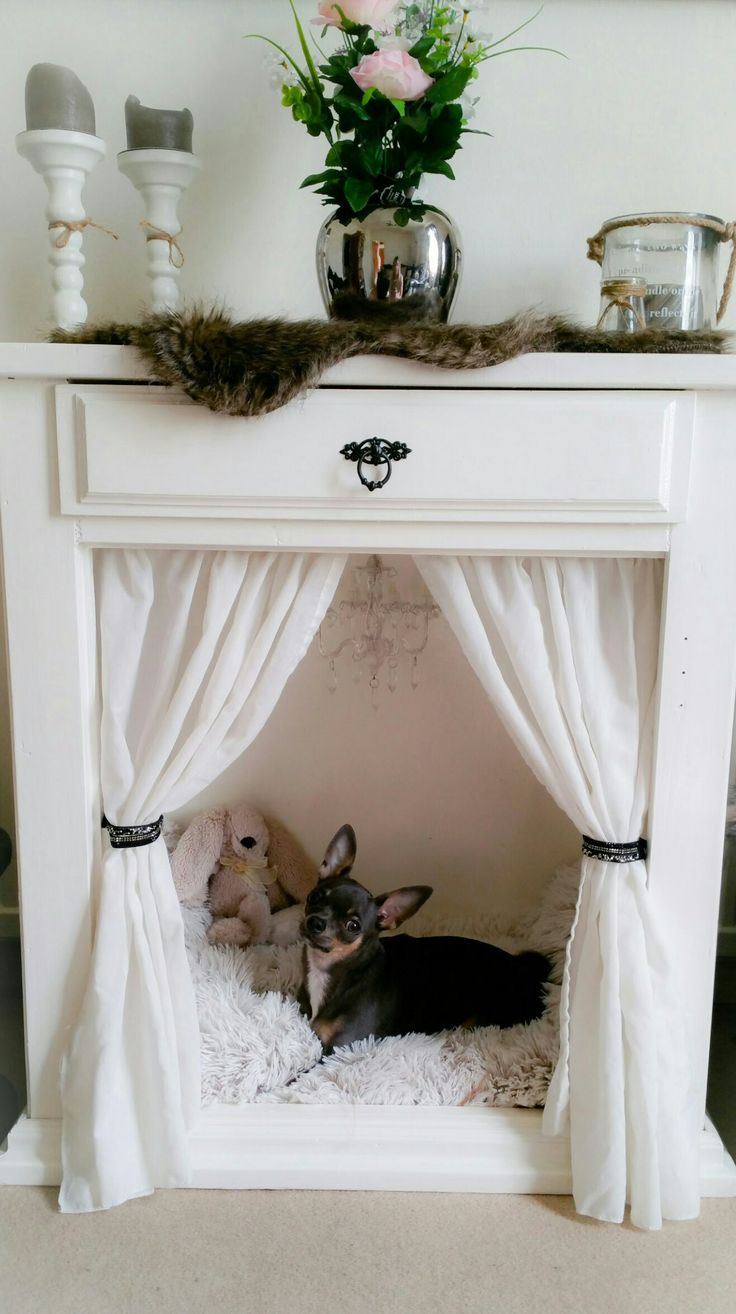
(60, 361)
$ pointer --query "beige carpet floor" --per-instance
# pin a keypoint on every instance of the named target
(217, 1252)
(213, 1252)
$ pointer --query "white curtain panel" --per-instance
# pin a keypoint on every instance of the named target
(195, 651)
(567, 650)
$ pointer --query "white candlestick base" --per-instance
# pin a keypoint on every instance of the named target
(64, 159)
(161, 177)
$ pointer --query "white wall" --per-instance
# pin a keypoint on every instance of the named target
(437, 793)
(640, 115)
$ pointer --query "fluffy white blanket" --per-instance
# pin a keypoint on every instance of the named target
(257, 1047)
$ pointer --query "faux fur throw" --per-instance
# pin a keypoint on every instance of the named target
(256, 366)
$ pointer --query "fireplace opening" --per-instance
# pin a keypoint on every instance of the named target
(415, 758)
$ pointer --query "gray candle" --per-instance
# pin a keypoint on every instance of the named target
(55, 98)
(157, 129)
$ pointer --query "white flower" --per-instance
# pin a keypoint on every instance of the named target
(467, 20)
(476, 15)
(468, 104)
(468, 23)
(280, 73)
(460, 26)
(478, 35)
(392, 42)
(415, 20)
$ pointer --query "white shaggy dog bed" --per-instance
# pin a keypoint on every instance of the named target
(257, 1047)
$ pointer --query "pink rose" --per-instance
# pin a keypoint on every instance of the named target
(395, 73)
(370, 12)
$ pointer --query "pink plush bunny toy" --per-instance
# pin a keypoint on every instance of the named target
(254, 873)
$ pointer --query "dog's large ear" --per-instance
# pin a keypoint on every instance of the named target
(399, 905)
(340, 855)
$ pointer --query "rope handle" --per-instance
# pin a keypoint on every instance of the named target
(724, 232)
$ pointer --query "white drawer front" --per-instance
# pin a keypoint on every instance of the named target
(485, 454)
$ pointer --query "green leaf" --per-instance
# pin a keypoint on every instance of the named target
(414, 163)
(439, 166)
(352, 106)
(305, 49)
(402, 217)
(328, 176)
(357, 160)
(422, 47)
(514, 50)
(368, 95)
(371, 155)
(357, 192)
(399, 106)
(336, 154)
(443, 137)
(450, 87)
(291, 95)
(417, 121)
(337, 64)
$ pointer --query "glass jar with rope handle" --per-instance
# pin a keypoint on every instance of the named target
(676, 256)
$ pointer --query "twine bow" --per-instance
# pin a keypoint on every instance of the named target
(75, 226)
(250, 869)
(724, 232)
(160, 235)
(620, 295)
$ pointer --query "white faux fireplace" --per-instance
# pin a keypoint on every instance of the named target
(546, 456)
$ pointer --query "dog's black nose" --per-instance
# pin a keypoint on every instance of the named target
(315, 925)
(248, 842)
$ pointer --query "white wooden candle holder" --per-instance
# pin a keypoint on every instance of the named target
(161, 177)
(64, 159)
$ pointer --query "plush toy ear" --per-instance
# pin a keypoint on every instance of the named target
(297, 872)
(399, 905)
(196, 856)
(340, 855)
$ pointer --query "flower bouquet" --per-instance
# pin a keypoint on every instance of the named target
(393, 101)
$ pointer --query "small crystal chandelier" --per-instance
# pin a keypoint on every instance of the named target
(376, 628)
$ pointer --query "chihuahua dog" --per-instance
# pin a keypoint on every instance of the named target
(357, 984)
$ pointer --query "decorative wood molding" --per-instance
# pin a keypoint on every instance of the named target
(59, 362)
(614, 459)
(362, 1148)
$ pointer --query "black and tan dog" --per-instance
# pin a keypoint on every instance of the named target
(357, 984)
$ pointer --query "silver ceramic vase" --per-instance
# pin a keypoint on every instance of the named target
(373, 266)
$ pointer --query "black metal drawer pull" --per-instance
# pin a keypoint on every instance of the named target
(374, 451)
